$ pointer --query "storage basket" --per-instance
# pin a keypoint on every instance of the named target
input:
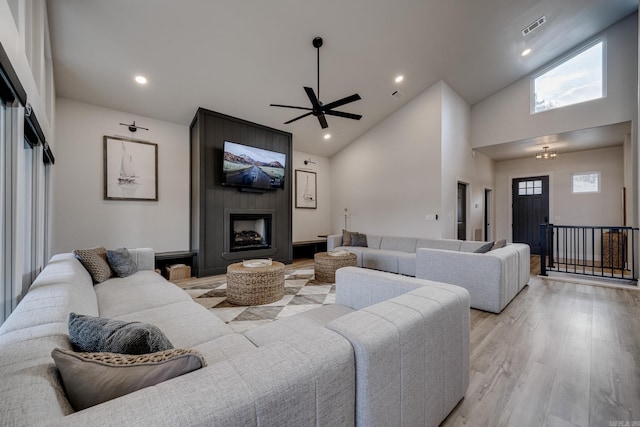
(178, 271)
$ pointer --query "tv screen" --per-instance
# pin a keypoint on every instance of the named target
(252, 167)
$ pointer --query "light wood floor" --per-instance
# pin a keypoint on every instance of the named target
(561, 354)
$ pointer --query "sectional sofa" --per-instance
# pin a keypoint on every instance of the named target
(492, 278)
(393, 350)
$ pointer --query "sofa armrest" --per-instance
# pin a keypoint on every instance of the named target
(334, 241)
(412, 355)
(145, 258)
(490, 278)
(359, 287)
(272, 386)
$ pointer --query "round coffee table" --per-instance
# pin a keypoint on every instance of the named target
(325, 265)
(255, 285)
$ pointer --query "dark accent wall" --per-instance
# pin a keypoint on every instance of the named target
(211, 201)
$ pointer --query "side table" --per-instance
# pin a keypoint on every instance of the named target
(255, 285)
(325, 265)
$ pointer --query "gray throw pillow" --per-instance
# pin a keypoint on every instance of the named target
(93, 378)
(484, 248)
(95, 261)
(121, 262)
(94, 334)
(499, 244)
(358, 239)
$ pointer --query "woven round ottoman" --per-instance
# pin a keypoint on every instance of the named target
(255, 285)
(325, 265)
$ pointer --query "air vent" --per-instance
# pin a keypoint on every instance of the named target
(397, 95)
(533, 26)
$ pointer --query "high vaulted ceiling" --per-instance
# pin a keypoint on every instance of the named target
(238, 56)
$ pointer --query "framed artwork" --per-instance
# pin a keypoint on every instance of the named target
(130, 169)
(306, 190)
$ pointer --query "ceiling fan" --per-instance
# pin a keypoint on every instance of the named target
(318, 108)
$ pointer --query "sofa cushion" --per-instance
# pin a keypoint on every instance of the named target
(407, 264)
(121, 262)
(484, 248)
(93, 334)
(95, 261)
(404, 244)
(444, 244)
(381, 259)
(93, 378)
(373, 241)
(225, 347)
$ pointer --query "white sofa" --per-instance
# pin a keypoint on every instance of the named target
(493, 278)
(338, 365)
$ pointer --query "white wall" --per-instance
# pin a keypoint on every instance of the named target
(389, 178)
(308, 224)
(460, 164)
(505, 116)
(566, 208)
(80, 215)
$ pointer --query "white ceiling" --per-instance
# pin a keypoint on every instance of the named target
(237, 57)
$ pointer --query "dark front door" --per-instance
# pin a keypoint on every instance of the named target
(530, 209)
(462, 211)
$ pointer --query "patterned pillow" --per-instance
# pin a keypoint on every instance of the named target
(95, 261)
(93, 378)
(121, 262)
(88, 333)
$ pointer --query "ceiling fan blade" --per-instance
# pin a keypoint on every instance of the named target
(290, 106)
(312, 97)
(342, 114)
(299, 117)
(338, 103)
(323, 121)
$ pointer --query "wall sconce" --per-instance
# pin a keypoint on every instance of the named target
(306, 162)
(546, 154)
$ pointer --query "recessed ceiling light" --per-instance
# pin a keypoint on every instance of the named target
(141, 79)
(526, 52)
(327, 136)
(399, 79)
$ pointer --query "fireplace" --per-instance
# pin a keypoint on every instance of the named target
(249, 231)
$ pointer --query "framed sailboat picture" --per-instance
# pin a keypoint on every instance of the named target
(306, 189)
(130, 169)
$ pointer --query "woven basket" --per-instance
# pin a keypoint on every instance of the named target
(255, 286)
(325, 265)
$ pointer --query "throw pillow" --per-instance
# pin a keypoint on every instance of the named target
(91, 334)
(121, 262)
(93, 378)
(346, 238)
(484, 248)
(95, 261)
(358, 239)
(499, 244)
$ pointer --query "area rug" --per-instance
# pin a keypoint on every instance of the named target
(302, 293)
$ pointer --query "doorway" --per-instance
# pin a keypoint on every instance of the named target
(530, 204)
(461, 220)
(488, 214)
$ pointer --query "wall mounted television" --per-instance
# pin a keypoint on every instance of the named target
(252, 167)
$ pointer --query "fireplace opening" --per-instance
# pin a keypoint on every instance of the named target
(250, 232)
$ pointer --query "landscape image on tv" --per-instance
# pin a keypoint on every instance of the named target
(246, 166)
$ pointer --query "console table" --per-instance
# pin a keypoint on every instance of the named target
(308, 248)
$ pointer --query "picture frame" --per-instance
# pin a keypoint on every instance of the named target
(130, 169)
(306, 189)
